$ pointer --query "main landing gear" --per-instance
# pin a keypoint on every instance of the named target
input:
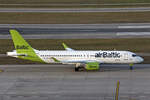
(76, 69)
(79, 67)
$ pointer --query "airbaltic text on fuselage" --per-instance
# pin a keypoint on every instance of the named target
(108, 54)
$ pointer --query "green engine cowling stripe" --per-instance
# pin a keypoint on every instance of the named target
(92, 66)
(22, 47)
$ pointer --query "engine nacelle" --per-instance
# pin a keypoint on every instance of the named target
(92, 66)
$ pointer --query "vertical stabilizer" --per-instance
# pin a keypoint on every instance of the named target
(20, 44)
(24, 50)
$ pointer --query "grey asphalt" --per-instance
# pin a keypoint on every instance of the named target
(60, 82)
(72, 4)
(74, 31)
(59, 10)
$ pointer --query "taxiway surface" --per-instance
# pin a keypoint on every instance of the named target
(73, 31)
(59, 10)
(60, 82)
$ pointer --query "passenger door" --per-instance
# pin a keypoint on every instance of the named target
(125, 56)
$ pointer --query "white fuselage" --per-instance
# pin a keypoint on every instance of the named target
(89, 56)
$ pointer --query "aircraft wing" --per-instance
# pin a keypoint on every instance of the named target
(75, 61)
(80, 61)
(56, 60)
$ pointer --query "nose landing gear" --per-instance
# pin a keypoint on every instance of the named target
(131, 66)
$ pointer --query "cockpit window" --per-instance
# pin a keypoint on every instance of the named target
(134, 55)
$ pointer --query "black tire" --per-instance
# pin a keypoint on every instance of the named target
(76, 69)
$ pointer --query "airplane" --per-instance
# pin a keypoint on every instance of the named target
(83, 59)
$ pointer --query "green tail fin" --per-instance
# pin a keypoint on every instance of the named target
(22, 47)
(20, 44)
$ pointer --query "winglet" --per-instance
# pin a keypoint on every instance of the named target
(66, 47)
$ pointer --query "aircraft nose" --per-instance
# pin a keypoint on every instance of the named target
(140, 59)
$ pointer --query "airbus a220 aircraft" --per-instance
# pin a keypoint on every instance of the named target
(86, 59)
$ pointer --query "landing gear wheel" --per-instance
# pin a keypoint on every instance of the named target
(81, 68)
(76, 69)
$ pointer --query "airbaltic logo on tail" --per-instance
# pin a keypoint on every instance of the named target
(21, 47)
(108, 55)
